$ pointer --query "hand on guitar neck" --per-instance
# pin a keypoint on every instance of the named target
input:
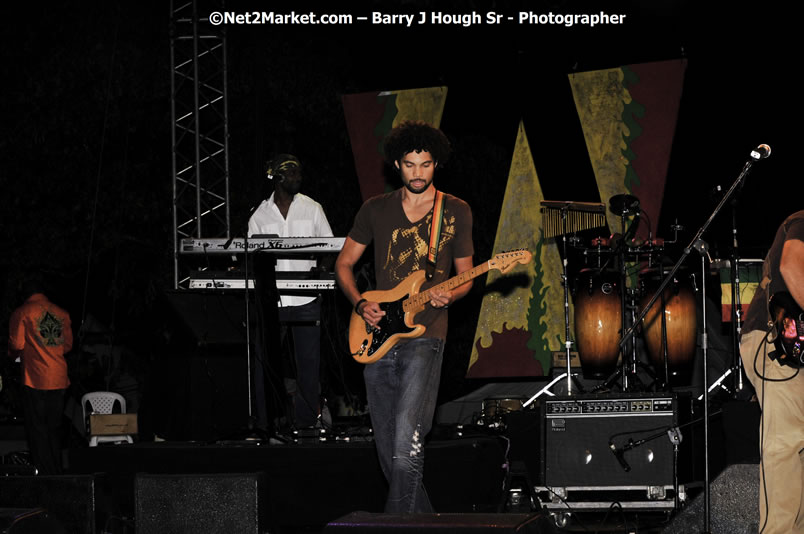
(440, 299)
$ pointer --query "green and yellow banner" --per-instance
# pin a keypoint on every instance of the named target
(370, 116)
(628, 116)
(522, 314)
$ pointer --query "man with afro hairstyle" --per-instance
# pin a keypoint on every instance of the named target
(402, 386)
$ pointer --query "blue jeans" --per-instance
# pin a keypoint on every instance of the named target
(402, 388)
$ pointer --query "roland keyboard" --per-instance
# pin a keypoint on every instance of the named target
(278, 245)
(287, 282)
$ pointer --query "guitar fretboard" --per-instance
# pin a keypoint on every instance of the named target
(419, 299)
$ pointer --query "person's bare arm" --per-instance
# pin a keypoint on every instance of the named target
(344, 273)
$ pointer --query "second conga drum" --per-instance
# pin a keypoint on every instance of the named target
(597, 321)
(680, 320)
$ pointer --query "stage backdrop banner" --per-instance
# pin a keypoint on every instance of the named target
(749, 275)
(628, 115)
(522, 314)
(370, 116)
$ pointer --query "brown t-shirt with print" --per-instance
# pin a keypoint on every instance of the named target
(758, 316)
(400, 246)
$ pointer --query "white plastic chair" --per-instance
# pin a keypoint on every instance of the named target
(102, 402)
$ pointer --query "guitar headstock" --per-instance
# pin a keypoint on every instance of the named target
(505, 261)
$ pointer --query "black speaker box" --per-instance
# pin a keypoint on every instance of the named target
(733, 507)
(465, 475)
(201, 385)
(367, 523)
(579, 431)
(68, 500)
(524, 430)
(211, 317)
(200, 504)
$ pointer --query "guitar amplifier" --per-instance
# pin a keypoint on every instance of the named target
(626, 440)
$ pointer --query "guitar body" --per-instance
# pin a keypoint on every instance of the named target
(788, 318)
(402, 303)
(368, 345)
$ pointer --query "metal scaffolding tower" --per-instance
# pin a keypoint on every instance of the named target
(200, 133)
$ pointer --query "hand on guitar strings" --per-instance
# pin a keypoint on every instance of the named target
(372, 313)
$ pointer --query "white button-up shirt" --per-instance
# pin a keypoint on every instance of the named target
(305, 219)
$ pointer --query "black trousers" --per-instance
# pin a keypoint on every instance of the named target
(303, 322)
(43, 411)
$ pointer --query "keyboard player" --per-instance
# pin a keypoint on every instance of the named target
(290, 213)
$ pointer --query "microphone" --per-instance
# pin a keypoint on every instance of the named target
(761, 152)
(618, 453)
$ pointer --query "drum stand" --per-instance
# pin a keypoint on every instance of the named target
(700, 245)
(563, 217)
(623, 206)
(665, 386)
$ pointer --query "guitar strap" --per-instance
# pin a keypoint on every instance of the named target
(435, 233)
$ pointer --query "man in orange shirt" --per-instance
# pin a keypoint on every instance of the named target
(39, 335)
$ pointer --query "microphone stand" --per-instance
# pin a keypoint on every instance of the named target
(673, 434)
(698, 244)
(253, 433)
(736, 367)
(736, 305)
(703, 250)
(567, 340)
(248, 335)
(623, 276)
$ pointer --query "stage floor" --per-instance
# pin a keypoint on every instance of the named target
(305, 485)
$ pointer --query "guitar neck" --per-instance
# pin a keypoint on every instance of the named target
(419, 299)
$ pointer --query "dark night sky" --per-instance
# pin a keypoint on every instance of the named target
(85, 135)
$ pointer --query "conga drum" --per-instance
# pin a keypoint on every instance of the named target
(598, 321)
(680, 320)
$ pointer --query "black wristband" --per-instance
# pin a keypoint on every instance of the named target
(357, 306)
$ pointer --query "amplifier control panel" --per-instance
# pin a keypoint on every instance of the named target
(601, 406)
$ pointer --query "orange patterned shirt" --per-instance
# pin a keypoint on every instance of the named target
(42, 332)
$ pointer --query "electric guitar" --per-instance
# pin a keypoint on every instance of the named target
(403, 302)
(788, 319)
